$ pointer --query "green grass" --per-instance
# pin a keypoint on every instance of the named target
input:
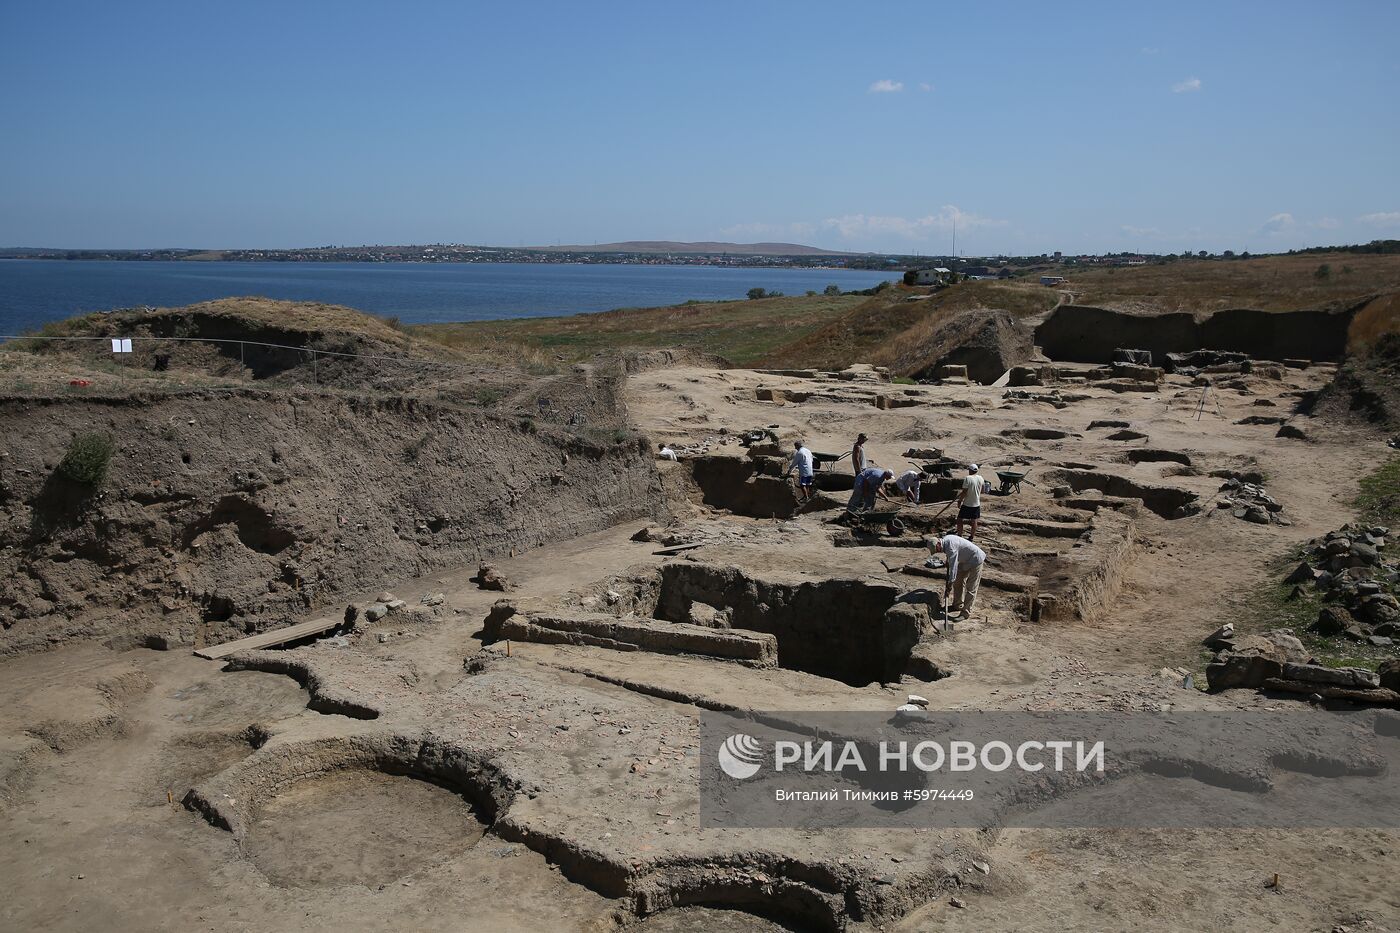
(1378, 502)
(1269, 604)
(741, 331)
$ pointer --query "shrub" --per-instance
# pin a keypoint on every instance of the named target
(756, 293)
(86, 459)
(832, 290)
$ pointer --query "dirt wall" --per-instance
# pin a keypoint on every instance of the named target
(1076, 333)
(231, 511)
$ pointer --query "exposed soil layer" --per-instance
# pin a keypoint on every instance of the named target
(987, 342)
(1090, 335)
(736, 485)
(226, 512)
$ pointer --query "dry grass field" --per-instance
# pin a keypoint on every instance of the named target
(743, 332)
(1271, 283)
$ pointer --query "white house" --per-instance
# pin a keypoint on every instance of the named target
(935, 276)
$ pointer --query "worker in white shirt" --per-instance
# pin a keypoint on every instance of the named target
(909, 483)
(666, 453)
(970, 500)
(802, 462)
(965, 561)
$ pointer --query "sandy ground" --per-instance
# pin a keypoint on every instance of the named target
(98, 747)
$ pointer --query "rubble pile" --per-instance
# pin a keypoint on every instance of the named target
(1054, 397)
(1357, 583)
(1278, 661)
(1251, 502)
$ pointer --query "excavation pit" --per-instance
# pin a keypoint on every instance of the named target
(856, 631)
(358, 827)
(1167, 501)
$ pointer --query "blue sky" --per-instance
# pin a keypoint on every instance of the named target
(1040, 127)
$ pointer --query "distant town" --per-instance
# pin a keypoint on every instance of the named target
(735, 254)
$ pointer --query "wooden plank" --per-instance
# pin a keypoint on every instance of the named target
(269, 639)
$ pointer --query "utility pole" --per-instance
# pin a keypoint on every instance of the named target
(955, 234)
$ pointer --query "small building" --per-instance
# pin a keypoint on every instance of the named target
(1052, 280)
(934, 276)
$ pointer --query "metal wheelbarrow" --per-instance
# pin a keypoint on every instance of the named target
(1011, 482)
(827, 462)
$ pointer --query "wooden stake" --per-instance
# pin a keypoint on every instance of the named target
(507, 647)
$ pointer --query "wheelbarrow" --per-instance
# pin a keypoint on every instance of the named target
(827, 462)
(886, 522)
(1011, 482)
(943, 467)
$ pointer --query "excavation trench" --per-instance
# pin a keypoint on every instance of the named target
(1167, 501)
(757, 487)
(852, 630)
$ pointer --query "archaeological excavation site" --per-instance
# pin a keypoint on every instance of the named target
(383, 633)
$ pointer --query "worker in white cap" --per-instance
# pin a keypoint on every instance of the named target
(970, 500)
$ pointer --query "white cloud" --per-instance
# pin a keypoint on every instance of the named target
(886, 86)
(925, 86)
(1331, 223)
(864, 231)
(861, 226)
(1280, 224)
(1187, 86)
(1381, 219)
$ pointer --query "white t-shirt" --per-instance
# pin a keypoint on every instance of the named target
(667, 454)
(909, 480)
(973, 486)
(802, 460)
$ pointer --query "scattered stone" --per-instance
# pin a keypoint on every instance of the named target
(1221, 638)
(434, 599)
(376, 611)
(957, 902)
(1333, 620)
(383, 637)
(1303, 573)
(1389, 674)
(489, 578)
(394, 605)
(1251, 502)
(1253, 660)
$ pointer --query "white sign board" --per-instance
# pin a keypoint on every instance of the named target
(121, 344)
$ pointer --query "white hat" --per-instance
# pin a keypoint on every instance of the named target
(972, 468)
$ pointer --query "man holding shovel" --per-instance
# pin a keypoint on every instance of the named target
(965, 561)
